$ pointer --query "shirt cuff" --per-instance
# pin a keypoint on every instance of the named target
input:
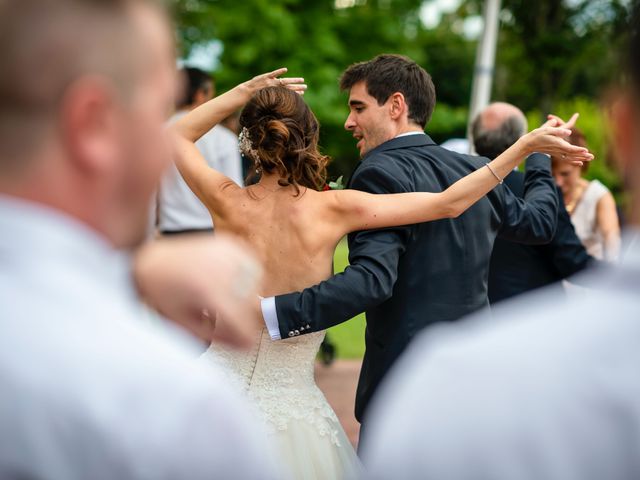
(270, 316)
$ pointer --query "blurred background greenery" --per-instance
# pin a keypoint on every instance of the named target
(553, 56)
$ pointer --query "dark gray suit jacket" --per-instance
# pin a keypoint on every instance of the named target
(410, 277)
(516, 268)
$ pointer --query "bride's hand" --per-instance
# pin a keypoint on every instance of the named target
(551, 140)
(272, 79)
(556, 121)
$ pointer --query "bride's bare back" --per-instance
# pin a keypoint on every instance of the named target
(288, 232)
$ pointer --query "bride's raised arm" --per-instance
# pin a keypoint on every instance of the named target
(355, 210)
(204, 181)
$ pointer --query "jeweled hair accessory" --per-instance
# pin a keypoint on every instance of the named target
(246, 147)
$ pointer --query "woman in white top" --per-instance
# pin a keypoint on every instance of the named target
(591, 206)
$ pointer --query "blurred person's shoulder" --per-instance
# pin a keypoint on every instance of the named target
(119, 390)
(543, 321)
(543, 373)
(107, 346)
(540, 348)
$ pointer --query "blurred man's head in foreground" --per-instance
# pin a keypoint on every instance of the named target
(496, 128)
(85, 88)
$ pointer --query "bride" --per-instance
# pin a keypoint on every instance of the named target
(294, 227)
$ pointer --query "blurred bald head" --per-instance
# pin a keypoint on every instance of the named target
(84, 90)
(496, 128)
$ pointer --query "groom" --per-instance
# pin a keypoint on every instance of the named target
(410, 277)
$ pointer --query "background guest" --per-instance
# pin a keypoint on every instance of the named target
(591, 206)
(179, 210)
(517, 268)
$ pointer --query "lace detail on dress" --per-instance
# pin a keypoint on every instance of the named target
(279, 377)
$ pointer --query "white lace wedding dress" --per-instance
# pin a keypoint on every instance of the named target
(279, 378)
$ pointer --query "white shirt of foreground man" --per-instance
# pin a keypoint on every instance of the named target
(90, 391)
(548, 390)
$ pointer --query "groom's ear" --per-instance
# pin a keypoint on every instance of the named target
(397, 105)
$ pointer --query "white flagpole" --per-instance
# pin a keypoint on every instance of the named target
(485, 62)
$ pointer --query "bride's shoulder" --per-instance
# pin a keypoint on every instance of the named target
(324, 200)
(342, 201)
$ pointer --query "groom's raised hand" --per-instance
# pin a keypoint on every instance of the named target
(195, 281)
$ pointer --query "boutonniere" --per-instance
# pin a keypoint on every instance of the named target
(337, 185)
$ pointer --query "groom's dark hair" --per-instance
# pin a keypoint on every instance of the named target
(387, 74)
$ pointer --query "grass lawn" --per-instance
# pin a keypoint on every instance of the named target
(349, 336)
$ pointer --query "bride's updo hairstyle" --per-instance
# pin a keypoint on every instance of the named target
(282, 135)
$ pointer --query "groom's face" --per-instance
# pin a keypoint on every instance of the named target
(370, 123)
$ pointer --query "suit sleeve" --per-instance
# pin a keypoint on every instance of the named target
(532, 220)
(566, 252)
(367, 282)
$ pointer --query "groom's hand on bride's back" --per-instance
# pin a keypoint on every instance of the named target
(204, 284)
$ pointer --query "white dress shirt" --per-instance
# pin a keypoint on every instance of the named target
(179, 208)
(548, 389)
(87, 390)
(268, 305)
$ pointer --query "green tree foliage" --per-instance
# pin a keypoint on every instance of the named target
(554, 50)
(551, 54)
(593, 124)
(560, 56)
(315, 39)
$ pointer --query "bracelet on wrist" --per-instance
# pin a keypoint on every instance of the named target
(500, 180)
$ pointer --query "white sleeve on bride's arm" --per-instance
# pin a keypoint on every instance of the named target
(270, 316)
